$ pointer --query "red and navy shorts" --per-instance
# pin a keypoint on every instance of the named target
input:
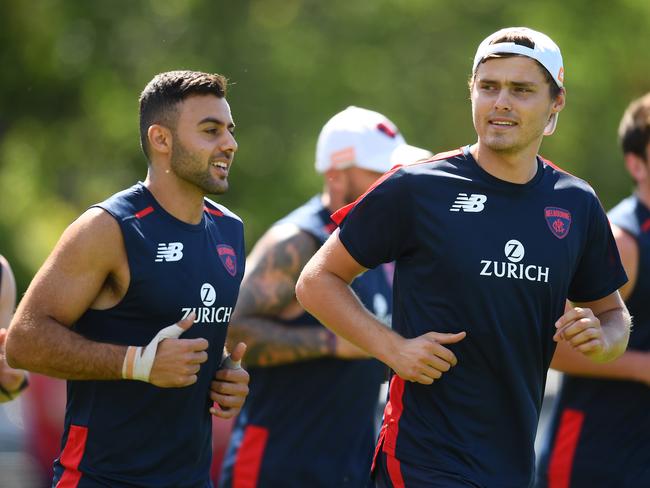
(390, 472)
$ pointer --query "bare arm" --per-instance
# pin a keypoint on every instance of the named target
(87, 268)
(323, 289)
(69, 282)
(598, 330)
(630, 365)
(628, 249)
(7, 293)
(10, 379)
(268, 293)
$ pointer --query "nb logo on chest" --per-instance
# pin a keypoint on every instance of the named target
(169, 252)
(473, 203)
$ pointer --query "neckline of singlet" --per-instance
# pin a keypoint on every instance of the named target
(508, 185)
(158, 208)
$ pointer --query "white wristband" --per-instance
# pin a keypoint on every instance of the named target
(138, 360)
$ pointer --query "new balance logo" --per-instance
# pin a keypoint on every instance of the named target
(473, 203)
(169, 252)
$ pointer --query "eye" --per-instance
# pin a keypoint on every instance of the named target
(211, 131)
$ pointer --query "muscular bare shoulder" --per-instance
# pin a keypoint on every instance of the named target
(273, 268)
(87, 268)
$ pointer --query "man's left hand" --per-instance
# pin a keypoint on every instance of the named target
(230, 387)
(581, 329)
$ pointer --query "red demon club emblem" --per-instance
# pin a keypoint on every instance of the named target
(228, 258)
(558, 220)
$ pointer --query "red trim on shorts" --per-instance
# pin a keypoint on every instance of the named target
(213, 211)
(342, 212)
(394, 471)
(393, 413)
(144, 212)
(564, 448)
(71, 456)
(247, 466)
(390, 427)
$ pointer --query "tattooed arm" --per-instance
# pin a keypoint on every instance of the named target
(268, 293)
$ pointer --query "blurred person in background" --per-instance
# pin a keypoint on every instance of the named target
(12, 381)
(488, 241)
(309, 420)
(141, 391)
(600, 430)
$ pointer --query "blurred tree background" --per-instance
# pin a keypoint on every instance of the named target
(72, 71)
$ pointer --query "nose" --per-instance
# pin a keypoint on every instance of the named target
(229, 143)
(502, 101)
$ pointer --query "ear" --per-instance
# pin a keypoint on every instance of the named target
(160, 139)
(636, 166)
(559, 102)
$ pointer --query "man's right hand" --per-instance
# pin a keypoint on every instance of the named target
(178, 361)
(424, 359)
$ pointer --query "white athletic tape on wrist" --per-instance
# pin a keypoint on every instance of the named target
(139, 360)
(228, 363)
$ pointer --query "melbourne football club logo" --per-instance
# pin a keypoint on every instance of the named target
(558, 220)
(472, 203)
(228, 258)
(169, 252)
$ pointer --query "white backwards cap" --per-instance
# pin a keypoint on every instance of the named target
(365, 139)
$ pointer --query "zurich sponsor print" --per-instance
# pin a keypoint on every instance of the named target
(208, 314)
(514, 268)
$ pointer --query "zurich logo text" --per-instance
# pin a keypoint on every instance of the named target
(514, 268)
(208, 314)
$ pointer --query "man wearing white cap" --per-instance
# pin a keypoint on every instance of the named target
(309, 417)
(488, 241)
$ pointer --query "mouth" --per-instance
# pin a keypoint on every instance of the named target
(502, 123)
(222, 167)
(220, 164)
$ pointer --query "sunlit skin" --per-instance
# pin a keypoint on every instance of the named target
(511, 105)
(346, 185)
(204, 143)
(193, 158)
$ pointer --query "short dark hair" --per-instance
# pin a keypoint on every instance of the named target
(159, 99)
(522, 40)
(634, 129)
